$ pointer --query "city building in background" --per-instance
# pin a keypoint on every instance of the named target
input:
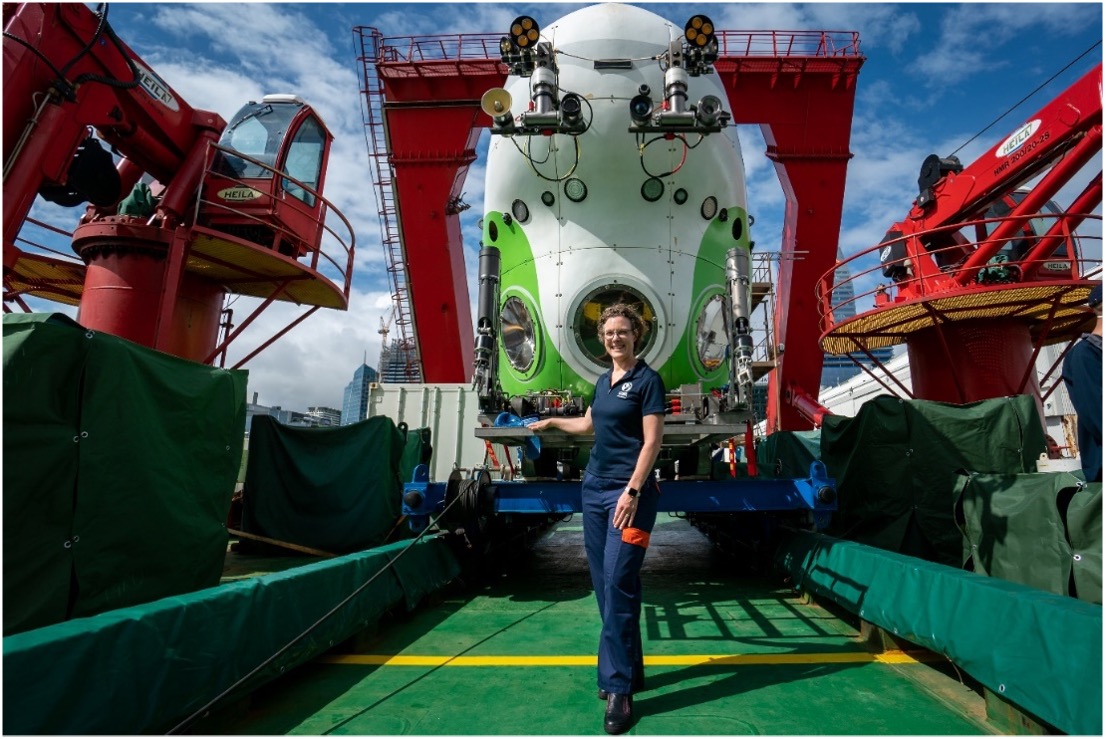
(315, 417)
(325, 416)
(398, 362)
(355, 400)
(839, 369)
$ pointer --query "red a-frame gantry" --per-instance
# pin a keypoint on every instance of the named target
(798, 86)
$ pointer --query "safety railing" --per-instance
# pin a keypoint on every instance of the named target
(332, 258)
(825, 44)
(39, 268)
(444, 47)
(926, 273)
(761, 322)
(822, 44)
(34, 233)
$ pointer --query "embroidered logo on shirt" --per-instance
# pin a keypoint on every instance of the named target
(623, 392)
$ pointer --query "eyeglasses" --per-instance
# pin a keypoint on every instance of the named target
(619, 334)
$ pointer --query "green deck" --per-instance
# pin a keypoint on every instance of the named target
(724, 655)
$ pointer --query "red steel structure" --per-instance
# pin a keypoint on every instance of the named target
(158, 278)
(429, 94)
(800, 88)
(423, 101)
(984, 275)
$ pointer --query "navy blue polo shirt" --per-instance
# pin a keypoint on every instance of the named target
(616, 415)
(1082, 375)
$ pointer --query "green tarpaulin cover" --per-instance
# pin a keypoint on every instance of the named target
(119, 465)
(1042, 652)
(788, 453)
(896, 465)
(143, 669)
(1038, 529)
(334, 489)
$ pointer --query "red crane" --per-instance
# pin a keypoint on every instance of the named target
(984, 271)
(233, 209)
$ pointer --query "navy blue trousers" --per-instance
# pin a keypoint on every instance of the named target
(614, 558)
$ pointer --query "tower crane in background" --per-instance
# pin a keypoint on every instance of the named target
(384, 330)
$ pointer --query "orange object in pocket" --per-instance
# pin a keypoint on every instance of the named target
(637, 537)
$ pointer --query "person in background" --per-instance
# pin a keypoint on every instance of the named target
(1082, 375)
(620, 496)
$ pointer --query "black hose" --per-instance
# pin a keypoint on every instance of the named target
(67, 89)
(111, 81)
(102, 14)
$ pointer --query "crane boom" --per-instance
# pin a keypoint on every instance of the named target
(1055, 142)
(226, 216)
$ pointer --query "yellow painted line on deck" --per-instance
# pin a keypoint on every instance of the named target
(657, 660)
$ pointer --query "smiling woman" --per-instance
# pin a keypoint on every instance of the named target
(619, 495)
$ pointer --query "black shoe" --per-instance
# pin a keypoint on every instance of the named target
(602, 694)
(620, 713)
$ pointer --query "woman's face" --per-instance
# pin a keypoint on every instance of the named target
(618, 337)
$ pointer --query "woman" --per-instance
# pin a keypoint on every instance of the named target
(619, 502)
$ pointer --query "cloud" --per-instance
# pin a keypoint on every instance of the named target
(970, 34)
(312, 363)
(880, 25)
(317, 67)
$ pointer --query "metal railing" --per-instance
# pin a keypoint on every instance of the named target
(932, 273)
(334, 264)
(27, 238)
(445, 47)
(372, 53)
(820, 44)
(473, 46)
(761, 322)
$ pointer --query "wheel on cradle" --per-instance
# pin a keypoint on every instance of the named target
(471, 509)
(544, 467)
(688, 461)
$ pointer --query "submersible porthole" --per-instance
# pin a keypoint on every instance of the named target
(520, 211)
(575, 189)
(709, 207)
(652, 189)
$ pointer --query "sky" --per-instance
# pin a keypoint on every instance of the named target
(935, 76)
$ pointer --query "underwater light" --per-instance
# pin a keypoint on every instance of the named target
(571, 107)
(709, 207)
(652, 189)
(521, 211)
(641, 106)
(524, 32)
(699, 31)
(709, 110)
(575, 189)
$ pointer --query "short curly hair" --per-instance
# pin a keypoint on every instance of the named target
(626, 311)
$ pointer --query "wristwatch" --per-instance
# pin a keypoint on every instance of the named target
(632, 492)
